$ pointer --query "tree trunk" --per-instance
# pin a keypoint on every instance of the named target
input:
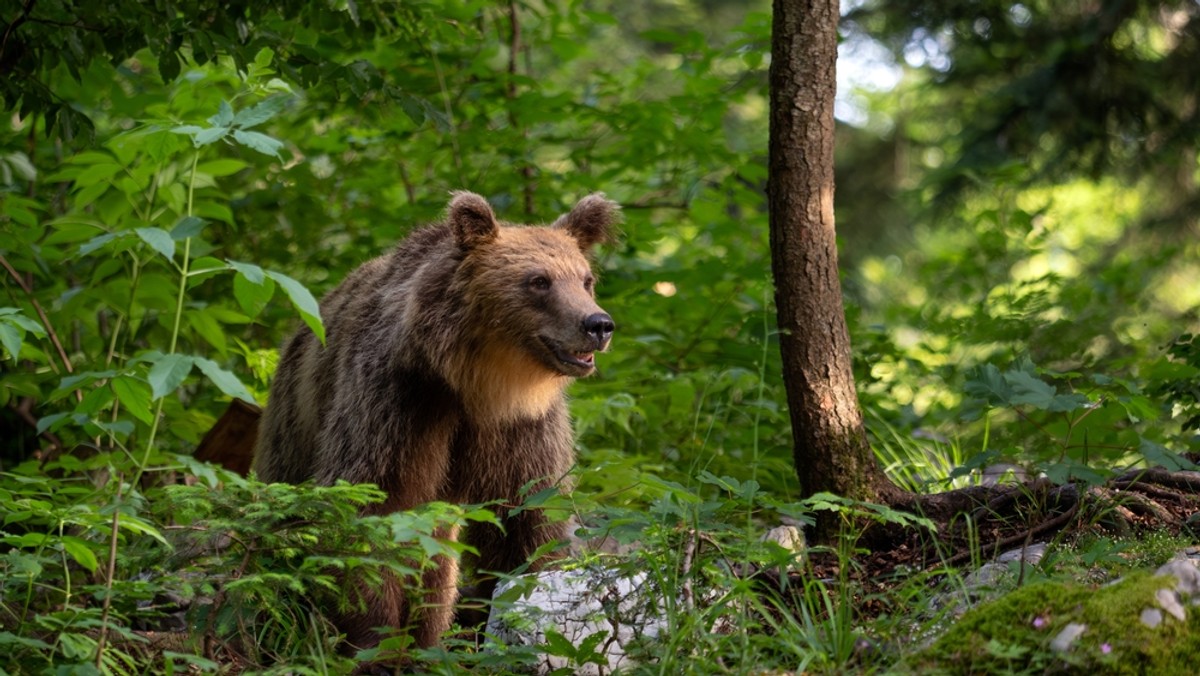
(831, 450)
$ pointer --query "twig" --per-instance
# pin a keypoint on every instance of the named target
(409, 190)
(111, 573)
(685, 570)
(62, 354)
(12, 26)
(1047, 525)
(510, 92)
(456, 155)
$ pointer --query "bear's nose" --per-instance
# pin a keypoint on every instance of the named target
(599, 326)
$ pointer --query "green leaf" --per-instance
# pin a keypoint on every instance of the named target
(209, 328)
(1161, 456)
(1030, 390)
(310, 312)
(211, 135)
(222, 167)
(587, 647)
(81, 551)
(159, 240)
(188, 129)
(412, 108)
(224, 116)
(168, 373)
(1027, 389)
(96, 173)
(987, 384)
(169, 66)
(250, 271)
(558, 645)
(27, 540)
(227, 382)
(256, 141)
(9, 638)
(11, 338)
(132, 523)
(261, 112)
(188, 226)
(252, 297)
(97, 242)
(47, 422)
(135, 396)
(72, 231)
(1070, 470)
(13, 315)
(264, 57)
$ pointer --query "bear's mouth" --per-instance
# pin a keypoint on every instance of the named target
(576, 363)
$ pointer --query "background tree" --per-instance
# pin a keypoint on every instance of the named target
(830, 443)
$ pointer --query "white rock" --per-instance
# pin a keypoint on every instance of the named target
(578, 604)
(1186, 572)
(791, 539)
(1062, 643)
(1152, 617)
(987, 576)
(1169, 601)
(1032, 554)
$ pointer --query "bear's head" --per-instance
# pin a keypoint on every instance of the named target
(530, 290)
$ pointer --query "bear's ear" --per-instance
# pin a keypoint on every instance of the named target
(471, 220)
(591, 221)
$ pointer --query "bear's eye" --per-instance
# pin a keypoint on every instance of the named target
(539, 283)
(589, 282)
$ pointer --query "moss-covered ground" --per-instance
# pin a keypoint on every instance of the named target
(1013, 634)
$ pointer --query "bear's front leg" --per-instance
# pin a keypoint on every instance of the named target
(506, 551)
(435, 611)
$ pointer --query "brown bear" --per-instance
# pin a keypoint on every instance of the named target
(442, 378)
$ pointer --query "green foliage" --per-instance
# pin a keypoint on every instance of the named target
(1081, 436)
(272, 556)
(248, 566)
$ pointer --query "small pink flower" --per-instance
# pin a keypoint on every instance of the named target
(1039, 622)
(1105, 648)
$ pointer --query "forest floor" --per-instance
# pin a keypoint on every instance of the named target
(1135, 505)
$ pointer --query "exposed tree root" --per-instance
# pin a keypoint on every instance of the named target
(1000, 518)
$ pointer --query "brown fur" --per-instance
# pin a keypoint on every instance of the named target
(443, 378)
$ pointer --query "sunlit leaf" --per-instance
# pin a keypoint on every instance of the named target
(135, 397)
(261, 112)
(210, 135)
(225, 381)
(221, 167)
(1157, 455)
(224, 116)
(260, 142)
(11, 338)
(80, 550)
(168, 373)
(252, 297)
(310, 311)
(159, 240)
(188, 226)
(250, 271)
(97, 242)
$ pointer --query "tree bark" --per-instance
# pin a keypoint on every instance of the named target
(831, 450)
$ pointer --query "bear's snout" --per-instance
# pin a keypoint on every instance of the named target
(599, 327)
